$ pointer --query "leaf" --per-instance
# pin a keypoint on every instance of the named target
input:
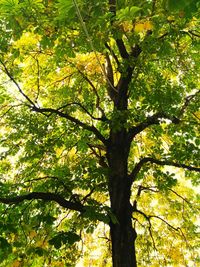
(134, 10)
(66, 9)
(64, 238)
(16, 263)
(128, 13)
(5, 249)
(143, 26)
(84, 107)
(39, 251)
(32, 234)
(185, 8)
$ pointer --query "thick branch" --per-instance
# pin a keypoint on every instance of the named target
(156, 118)
(136, 51)
(112, 91)
(140, 164)
(72, 119)
(152, 120)
(46, 197)
(120, 44)
(33, 106)
(122, 49)
(109, 69)
(112, 54)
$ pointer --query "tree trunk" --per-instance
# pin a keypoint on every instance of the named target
(123, 240)
(122, 233)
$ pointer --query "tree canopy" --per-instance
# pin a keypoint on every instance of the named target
(99, 132)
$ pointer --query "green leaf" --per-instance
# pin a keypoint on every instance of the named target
(187, 7)
(134, 10)
(66, 9)
(127, 13)
(5, 248)
(64, 238)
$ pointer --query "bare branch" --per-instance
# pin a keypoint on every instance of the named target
(188, 100)
(178, 195)
(157, 117)
(101, 158)
(95, 92)
(151, 235)
(38, 79)
(16, 84)
(155, 189)
(148, 218)
(83, 108)
(112, 54)
(195, 116)
(61, 79)
(9, 109)
(140, 164)
(112, 91)
(88, 195)
(46, 197)
(174, 164)
(163, 220)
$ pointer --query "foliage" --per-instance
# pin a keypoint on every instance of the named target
(62, 65)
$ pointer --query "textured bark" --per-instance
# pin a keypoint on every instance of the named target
(122, 233)
(123, 243)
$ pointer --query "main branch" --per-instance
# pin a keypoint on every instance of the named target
(33, 106)
(85, 126)
(76, 206)
(140, 164)
(151, 120)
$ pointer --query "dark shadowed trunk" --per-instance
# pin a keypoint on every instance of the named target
(122, 233)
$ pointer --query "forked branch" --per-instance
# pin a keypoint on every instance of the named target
(85, 126)
(44, 111)
(148, 218)
(156, 118)
(151, 120)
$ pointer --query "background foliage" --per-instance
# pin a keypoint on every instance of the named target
(54, 94)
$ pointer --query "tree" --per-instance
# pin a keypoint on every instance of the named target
(99, 111)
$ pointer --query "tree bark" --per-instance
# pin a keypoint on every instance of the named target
(123, 235)
(123, 244)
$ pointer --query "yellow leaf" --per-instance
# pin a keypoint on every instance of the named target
(143, 26)
(139, 27)
(32, 234)
(148, 25)
(16, 263)
(127, 26)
